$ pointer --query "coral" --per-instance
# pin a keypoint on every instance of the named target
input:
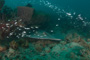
(63, 42)
(88, 40)
(10, 52)
(73, 37)
(25, 44)
(76, 39)
(73, 56)
(38, 47)
(76, 49)
(10, 27)
(69, 36)
(2, 49)
(47, 49)
(57, 49)
(14, 44)
(73, 44)
(85, 53)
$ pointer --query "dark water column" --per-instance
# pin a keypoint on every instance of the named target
(2, 2)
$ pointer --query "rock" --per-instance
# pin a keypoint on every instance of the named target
(11, 50)
(47, 49)
(63, 42)
(38, 47)
(25, 13)
(56, 49)
(42, 54)
(73, 37)
(73, 44)
(88, 40)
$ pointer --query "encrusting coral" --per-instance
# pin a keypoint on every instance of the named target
(14, 44)
(63, 49)
(25, 44)
(2, 49)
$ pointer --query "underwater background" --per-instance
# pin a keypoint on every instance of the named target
(44, 30)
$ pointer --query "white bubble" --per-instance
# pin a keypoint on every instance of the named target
(52, 31)
(58, 18)
(11, 33)
(57, 24)
(32, 27)
(33, 30)
(29, 32)
(74, 13)
(38, 35)
(15, 23)
(27, 28)
(19, 29)
(36, 27)
(7, 36)
(41, 36)
(7, 24)
(68, 14)
(20, 26)
(24, 32)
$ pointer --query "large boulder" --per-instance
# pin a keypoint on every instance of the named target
(25, 13)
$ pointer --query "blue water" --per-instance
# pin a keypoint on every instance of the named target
(81, 6)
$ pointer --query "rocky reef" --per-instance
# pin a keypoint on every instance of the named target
(14, 45)
(74, 47)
